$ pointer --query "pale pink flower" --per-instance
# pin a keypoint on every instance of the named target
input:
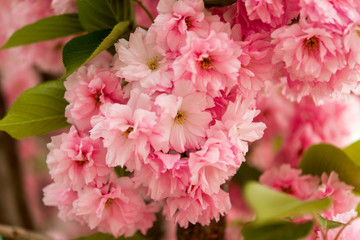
(141, 61)
(311, 57)
(197, 207)
(86, 90)
(308, 54)
(351, 39)
(164, 175)
(336, 15)
(289, 180)
(268, 11)
(64, 6)
(116, 208)
(211, 63)
(76, 160)
(343, 199)
(125, 130)
(183, 118)
(175, 19)
(213, 164)
(351, 231)
(57, 195)
(237, 121)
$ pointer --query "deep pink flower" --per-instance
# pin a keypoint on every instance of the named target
(289, 180)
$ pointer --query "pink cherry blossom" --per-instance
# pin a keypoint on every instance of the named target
(213, 164)
(86, 90)
(183, 119)
(141, 61)
(197, 208)
(343, 199)
(289, 180)
(125, 130)
(115, 208)
(57, 195)
(269, 12)
(164, 175)
(64, 6)
(211, 63)
(76, 160)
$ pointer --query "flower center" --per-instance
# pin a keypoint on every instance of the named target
(97, 98)
(287, 189)
(153, 63)
(188, 22)
(109, 202)
(180, 117)
(358, 32)
(81, 163)
(312, 43)
(206, 63)
(128, 131)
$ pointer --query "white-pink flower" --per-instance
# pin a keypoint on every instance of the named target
(142, 62)
(183, 118)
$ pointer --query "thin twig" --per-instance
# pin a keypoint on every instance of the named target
(145, 9)
(344, 226)
(19, 233)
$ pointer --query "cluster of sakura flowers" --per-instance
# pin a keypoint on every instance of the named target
(177, 109)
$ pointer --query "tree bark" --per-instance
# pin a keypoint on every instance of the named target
(215, 231)
(13, 206)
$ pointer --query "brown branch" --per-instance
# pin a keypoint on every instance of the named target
(215, 231)
(18, 233)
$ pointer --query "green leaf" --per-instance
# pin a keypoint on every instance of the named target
(103, 14)
(353, 152)
(270, 205)
(218, 3)
(278, 230)
(82, 49)
(46, 29)
(326, 158)
(38, 110)
(358, 210)
(328, 224)
(103, 236)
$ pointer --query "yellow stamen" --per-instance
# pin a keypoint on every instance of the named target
(109, 202)
(128, 131)
(180, 117)
(188, 22)
(206, 63)
(153, 63)
(97, 98)
(312, 43)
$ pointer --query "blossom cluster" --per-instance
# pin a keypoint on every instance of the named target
(169, 121)
(171, 111)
